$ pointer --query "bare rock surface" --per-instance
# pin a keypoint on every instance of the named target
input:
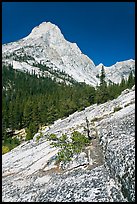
(103, 172)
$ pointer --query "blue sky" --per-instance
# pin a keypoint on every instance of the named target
(105, 31)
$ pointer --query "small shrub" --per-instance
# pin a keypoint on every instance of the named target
(117, 108)
(128, 103)
(5, 149)
(38, 137)
(78, 141)
(95, 119)
(53, 137)
(9, 144)
(69, 147)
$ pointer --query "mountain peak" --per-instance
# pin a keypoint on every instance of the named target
(130, 61)
(42, 29)
(100, 65)
(46, 45)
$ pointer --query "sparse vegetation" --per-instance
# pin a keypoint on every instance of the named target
(69, 146)
(117, 108)
(9, 144)
(5, 149)
(53, 137)
(95, 119)
(39, 136)
(129, 103)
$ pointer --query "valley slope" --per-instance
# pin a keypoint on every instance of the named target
(104, 171)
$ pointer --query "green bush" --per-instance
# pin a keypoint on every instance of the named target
(117, 108)
(10, 144)
(5, 149)
(69, 147)
(52, 137)
(38, 137)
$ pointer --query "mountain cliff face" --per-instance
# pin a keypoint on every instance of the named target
(117, 71)
(103, 171)
(46, 46)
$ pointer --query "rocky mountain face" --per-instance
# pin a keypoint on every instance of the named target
(118, 71)
(46, 52)
(103, 172)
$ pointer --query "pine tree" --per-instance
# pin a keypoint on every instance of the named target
(131, 80)
(102, 94)
(102, 76)
(123, 84)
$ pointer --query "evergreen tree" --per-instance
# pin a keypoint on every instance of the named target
(102, 94)
(131, 80)
(123, 84)
(102, 76)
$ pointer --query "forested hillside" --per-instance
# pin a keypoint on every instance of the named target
(30, 102)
